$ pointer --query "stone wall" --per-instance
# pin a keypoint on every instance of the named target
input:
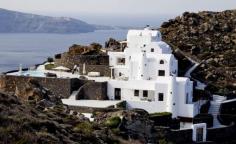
(180, 136)
(222, 135)
(70, 60)
(93, 91)
(61, 88)
(103, 69)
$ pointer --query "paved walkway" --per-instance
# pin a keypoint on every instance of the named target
(91, 103)
(61, 74)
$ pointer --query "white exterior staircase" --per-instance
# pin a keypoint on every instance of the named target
(214, 109)
(74, 94)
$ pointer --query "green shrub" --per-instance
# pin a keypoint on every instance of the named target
(113, 122)
(50, 60)
(22, 141)
(84, 127)
(121, 105)
(160, 114)
(49, 66)
(163, 141)
(116, 131)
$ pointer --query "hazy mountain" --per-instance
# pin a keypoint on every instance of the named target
(17, 22)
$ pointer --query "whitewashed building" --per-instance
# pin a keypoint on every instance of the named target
(145, 75)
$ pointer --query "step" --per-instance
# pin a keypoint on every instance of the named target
(73, 95)
(218, 98)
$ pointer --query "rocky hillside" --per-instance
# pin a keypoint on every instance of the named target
(40, 118)
(17, 22)
(34, 115)
(210, 39)
(35, 122)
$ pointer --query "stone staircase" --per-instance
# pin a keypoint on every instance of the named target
(214, 109)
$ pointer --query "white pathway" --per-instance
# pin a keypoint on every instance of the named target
(200, 85)
(60, 74)
(214, 109)
(91, 103)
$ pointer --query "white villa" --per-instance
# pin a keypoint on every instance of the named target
(145, 76)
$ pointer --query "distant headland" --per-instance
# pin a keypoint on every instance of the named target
(18, 22)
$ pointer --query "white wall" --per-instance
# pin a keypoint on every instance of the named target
(131, 84)
(113, 56)
(151, 107)
(137, 65)
(120, 70)
(185, 109)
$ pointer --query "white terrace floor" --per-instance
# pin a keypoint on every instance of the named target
(39, 72)
(91, 103)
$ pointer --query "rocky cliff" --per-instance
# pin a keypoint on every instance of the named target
(210, 39)
(17, 22)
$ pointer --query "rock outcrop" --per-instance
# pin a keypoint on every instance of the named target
(210, 38)
(92, 49)
(112, 44)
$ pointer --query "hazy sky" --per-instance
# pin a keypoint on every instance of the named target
(117, 12)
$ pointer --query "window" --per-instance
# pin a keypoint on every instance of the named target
(161, 73)
(162, 61)
(160, 97)
(121, 61)
(117, 93)
(145, 93)
(152, 49)
(120, 74)
(136, 92)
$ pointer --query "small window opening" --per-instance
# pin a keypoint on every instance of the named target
(160, 97)
(162, 62)
(136, 92)
(145, 93)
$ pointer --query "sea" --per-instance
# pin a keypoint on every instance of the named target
(30, 49)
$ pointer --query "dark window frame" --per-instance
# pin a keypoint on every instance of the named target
(136, 92)
(161, 72)
(162, 62)
(117, 93)
(120, 61)
(145, 93)
(160, 96)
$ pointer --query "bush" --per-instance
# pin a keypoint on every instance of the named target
(84, 127)
(160, 114)
(49, 66)
(121, 105)
(58, 56)
(50, 60)
(113, 122)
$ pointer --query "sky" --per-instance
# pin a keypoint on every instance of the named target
(117, 12)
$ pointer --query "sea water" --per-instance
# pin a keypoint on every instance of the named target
(31, 49)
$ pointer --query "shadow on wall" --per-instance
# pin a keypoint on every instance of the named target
(93, 91)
